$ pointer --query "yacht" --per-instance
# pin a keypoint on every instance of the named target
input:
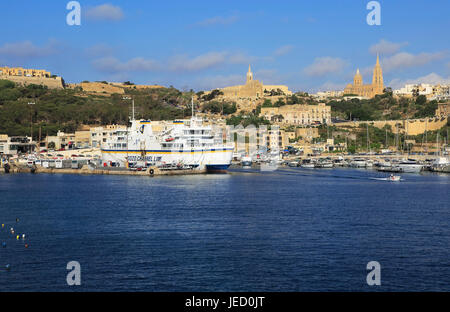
(409, 166)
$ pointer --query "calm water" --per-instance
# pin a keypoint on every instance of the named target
(289, 230)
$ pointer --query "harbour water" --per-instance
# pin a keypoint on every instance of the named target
(290, 230)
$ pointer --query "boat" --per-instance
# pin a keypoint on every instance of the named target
(394, 178)
(307, 163)
(441, 164)
(358, 163)
(184, 144)
(246, 161)
(324, 163)
(293, 164)
(391, 178)
(409, 166)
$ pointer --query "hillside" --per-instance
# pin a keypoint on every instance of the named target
(68, 109)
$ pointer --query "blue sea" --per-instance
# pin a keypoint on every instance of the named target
(292, 229)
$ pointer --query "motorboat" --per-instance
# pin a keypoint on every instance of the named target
(409, 166)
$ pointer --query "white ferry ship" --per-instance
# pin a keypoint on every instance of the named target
(185, 145)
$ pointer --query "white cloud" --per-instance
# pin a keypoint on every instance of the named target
(385, 47)
(204, 61)
(219, 81)
(218, 20)
(104, 12)
(405, 60)
(283, 50)
(27, 50)
(113, 65)
(325, 65)
(431, 78)
(181, 63)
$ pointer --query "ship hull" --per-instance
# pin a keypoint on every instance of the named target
(219, 158)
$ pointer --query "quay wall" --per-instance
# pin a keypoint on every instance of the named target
(85, 170)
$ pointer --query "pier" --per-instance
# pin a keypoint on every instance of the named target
(151, 171)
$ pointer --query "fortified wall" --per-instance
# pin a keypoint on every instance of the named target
(99, 87)
(410, 127)
(51, 83)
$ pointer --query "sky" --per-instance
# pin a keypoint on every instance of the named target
(307, 45)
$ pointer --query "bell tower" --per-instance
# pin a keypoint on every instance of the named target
(249, 74)
(377, 80)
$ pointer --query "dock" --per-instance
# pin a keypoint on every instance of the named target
(86, 170)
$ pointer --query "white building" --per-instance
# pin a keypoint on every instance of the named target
(16, 144)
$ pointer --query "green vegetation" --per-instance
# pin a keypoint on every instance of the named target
(216, 107)
(212, 95)
(383, 107)
(247, 119)
(68, 109)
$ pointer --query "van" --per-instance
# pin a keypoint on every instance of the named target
(59, 163)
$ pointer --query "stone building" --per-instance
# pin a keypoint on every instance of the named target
(19, 71)
(298, 114)
(367, 90)
(253, 89)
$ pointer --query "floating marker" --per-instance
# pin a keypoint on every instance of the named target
(23, 236)
(26, 245)
(17, 237)
(7, 267)
(17, 219)
(4, 245)
(3, 225)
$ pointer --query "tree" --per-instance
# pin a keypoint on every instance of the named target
(421, 100)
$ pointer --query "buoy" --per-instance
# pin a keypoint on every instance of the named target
(17, 219)
(23, 236)
(26, 245)
(8, 267)
(17, 237)
(3, 225)
(4, 245)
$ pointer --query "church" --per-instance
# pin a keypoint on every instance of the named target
(367, 90)
(253, 89)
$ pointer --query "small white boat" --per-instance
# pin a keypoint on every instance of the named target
(307, 163)
(394, 178)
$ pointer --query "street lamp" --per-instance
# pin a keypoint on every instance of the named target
(30, 104)
(31, 119)
(132, 102)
